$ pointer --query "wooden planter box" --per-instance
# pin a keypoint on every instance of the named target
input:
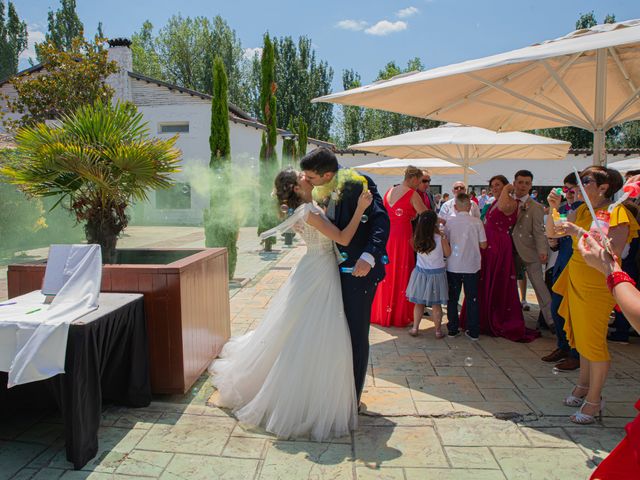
(186, 301)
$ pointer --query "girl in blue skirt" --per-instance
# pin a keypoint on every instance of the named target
(428, 283)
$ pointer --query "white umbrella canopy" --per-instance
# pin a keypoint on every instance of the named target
(468, 146)
(589, 78)
(397, 166)
(626, 165)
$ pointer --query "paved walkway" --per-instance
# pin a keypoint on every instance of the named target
(446, 409)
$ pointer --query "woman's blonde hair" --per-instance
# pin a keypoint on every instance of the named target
(412, 172)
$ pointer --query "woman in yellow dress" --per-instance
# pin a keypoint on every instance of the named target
(587, 302)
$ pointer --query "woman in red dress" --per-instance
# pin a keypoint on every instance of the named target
(390, 305)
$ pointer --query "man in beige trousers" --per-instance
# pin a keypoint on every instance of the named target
(530, 240)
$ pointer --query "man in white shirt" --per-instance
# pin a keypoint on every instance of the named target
(466, 236)
(448, 208)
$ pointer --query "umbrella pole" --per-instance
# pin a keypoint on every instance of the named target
(465, 178)
(599, 153)
(599, 148)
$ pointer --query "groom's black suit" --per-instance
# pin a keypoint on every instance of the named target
(358, 292)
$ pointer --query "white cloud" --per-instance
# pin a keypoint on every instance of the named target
(385, 27)
(35, 36)
(251, 53)
(353, 25)
(407, 12)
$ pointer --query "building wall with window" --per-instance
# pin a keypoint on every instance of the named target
(172, 112)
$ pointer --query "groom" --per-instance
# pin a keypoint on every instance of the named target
(364, 254)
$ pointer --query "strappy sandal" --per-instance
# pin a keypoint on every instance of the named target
(413, 332)
(572, 400)
(585, 419)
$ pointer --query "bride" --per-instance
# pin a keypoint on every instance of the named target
(293, 374)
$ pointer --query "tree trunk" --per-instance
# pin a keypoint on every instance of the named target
(104, 229)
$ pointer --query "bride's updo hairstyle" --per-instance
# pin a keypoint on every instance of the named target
(285, 184)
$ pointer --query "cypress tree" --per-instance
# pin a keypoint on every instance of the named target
(221, 224)
(302, 130)
(290, 146)
(268, 157)
(219, 141)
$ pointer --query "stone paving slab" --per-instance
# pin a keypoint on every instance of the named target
(445, 409)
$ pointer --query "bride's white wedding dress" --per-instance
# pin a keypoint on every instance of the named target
(293, 375)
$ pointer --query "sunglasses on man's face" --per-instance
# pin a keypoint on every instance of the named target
(427, 180)
(572, 191)
(458, 188)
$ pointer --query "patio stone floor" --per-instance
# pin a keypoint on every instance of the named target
(445, 409)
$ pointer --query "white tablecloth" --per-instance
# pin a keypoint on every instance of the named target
(33, 335)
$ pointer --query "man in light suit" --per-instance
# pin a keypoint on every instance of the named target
(530, 240)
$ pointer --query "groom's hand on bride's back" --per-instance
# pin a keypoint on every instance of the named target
(361, 268)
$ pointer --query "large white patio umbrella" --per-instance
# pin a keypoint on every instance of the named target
(589, 78)
(467, 146)
(397, 166)
(625, 165)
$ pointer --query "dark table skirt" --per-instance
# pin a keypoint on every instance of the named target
(107, 360)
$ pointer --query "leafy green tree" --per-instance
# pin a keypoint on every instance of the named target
(586, 20)
(143, 50)
(268, 156)
(73, 77)
(13, 40)
(252, 77)
(183, 46)
(96, 161)
(300, 78)
(184, 50)
(64, 26)
(220, 222)
(629, 135)
(363, 124)
(226, 44)
(352, 116)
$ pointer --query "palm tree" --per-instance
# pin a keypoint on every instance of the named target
(97, 160)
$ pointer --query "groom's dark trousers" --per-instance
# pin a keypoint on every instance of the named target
(358, 292)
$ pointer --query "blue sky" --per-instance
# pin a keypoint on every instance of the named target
(363, 34)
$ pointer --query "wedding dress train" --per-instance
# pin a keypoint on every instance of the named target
(293, 375)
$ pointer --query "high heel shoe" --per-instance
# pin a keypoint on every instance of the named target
(572, 400)
(584, 419)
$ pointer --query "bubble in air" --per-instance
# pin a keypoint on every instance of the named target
(388, 309)
(385, 260)
(364, 219)
(555, 370)
(284, 208)
(399, 212)
(344, 255)
(468, 362)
